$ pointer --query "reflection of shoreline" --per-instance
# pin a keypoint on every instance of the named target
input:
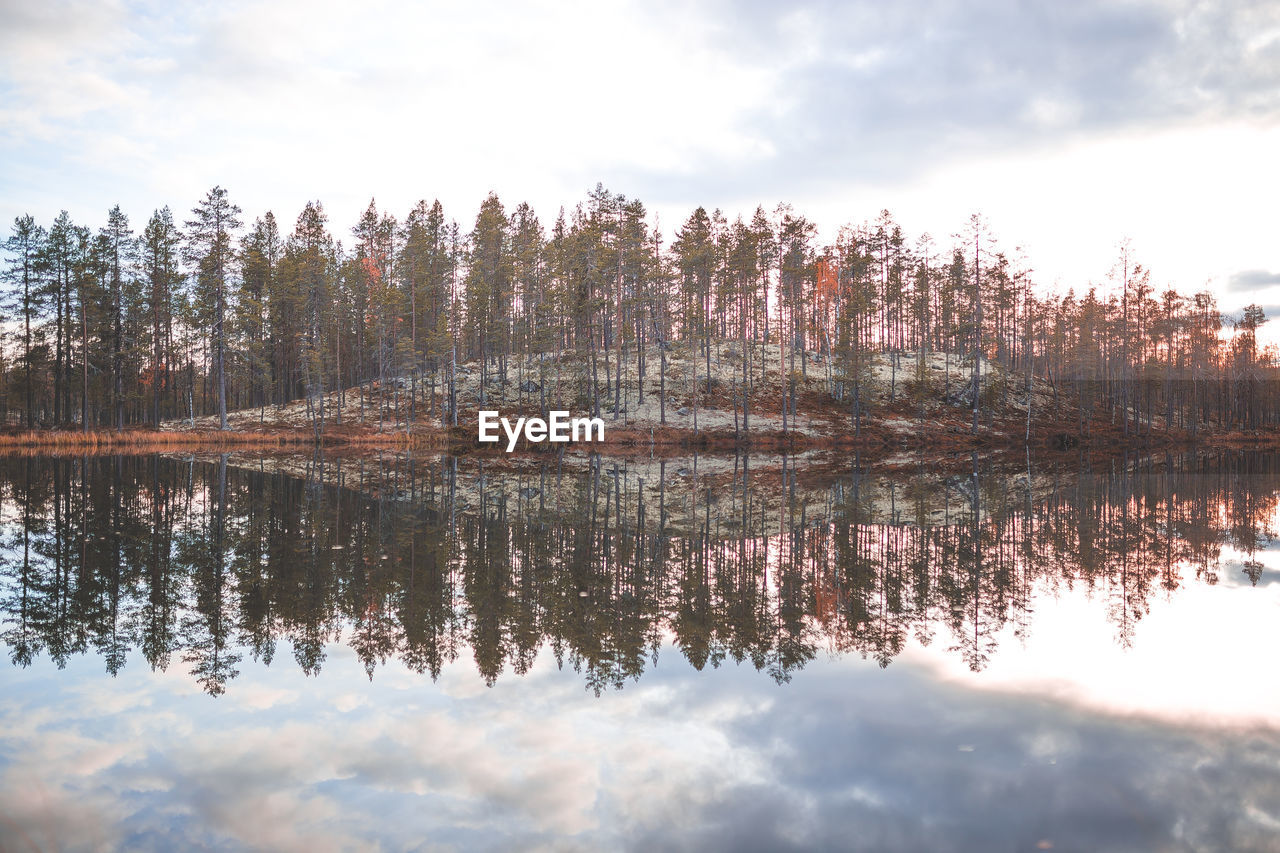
(421, 558)
(914, 494)
(897, 438)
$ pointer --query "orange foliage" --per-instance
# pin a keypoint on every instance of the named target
(828, 280)
(371, 270)
(150, 375)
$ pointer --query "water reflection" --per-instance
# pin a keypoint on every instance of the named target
(423, 560)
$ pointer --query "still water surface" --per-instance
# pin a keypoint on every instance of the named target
(308, 654)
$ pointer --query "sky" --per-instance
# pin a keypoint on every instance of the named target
(1069, 126)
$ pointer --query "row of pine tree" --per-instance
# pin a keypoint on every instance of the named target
(197, 316)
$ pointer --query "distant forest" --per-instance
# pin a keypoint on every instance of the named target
(200, 314)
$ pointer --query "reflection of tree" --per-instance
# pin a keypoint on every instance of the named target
(157, 611)
(211, 561)
(207, 628)
(23, 602)
(425, 597)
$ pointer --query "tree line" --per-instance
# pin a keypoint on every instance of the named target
(196, 316)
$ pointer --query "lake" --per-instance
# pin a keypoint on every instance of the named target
(387, 652)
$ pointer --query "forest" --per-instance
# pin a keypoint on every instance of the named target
(207, 313)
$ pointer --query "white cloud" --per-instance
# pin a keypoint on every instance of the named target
(1070, 129)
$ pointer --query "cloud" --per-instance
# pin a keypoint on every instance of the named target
(1247, 280)
(818, 91)
(873, 91)
(928, 104)
(526, 99)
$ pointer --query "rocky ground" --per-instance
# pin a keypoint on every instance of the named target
(908, 400)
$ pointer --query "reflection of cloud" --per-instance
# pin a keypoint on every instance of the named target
(845, 756)
(1073, 654)
(1036, 771)
(35, 816)
(349, 702)
(260, 697)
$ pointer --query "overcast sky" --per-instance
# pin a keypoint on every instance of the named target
(1069, 125)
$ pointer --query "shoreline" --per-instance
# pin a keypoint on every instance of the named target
(880, 439)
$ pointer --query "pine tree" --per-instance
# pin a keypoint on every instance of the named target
(24, 247)
(88, 271)
(694, 257)
(59, 259)
(160, 247)
(425, 266)
(210, 249)
(978, 240)
(488, 285)
(527, 256)
(121, 255)
(797, 270)
(260, 255)
(314, 263)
